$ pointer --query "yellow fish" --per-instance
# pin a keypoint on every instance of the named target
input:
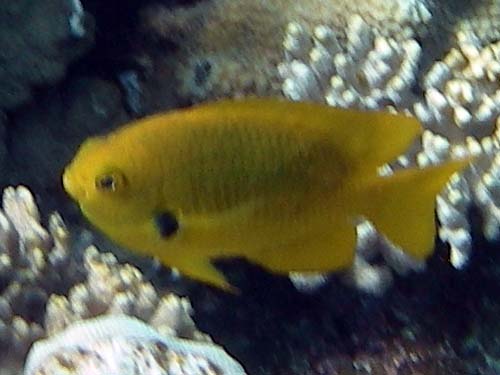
(279, 183)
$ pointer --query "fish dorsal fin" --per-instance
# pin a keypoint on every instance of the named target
(368, 140)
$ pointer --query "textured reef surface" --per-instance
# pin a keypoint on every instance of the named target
(71, 68)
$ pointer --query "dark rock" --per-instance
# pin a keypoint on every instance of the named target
(38, 39)
(44, 136)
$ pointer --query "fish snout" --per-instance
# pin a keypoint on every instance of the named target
(71, 187)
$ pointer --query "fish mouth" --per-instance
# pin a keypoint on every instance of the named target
(73, 189)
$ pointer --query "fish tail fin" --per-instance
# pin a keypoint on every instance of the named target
(401, 206)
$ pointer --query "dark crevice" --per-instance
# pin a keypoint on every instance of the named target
(116, 34)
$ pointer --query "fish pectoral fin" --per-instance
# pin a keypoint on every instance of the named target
(203, 270)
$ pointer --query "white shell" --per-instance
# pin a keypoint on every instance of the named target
(82, 335)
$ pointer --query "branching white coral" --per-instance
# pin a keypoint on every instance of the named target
(114, 288)
(462, 91)
(367, 71)
(31, 264)
(461, 109)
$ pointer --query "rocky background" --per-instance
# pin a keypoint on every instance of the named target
(71, 68)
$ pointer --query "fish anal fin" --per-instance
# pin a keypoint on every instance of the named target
(401, 206)
(326, 250)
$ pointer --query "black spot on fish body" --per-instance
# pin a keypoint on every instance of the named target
(167, 224)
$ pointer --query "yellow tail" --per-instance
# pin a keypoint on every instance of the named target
(401, 206)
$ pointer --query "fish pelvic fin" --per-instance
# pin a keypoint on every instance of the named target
(401, 206)
(203, 270)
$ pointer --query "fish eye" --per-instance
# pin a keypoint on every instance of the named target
(110, 182)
